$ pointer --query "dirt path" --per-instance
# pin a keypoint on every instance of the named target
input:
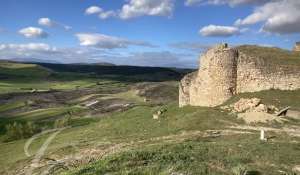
(292, 130)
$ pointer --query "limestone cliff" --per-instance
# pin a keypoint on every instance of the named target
(226, 71)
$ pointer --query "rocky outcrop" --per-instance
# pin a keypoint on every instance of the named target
(226, 71)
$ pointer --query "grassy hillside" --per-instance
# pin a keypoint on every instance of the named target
(273, 58)
(126, 73)
(21, 77)
(111, 130)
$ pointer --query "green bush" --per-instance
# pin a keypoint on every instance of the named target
(60, 123)
(239, 170)
(19, 130)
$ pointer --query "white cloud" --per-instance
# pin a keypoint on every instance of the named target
(100, 12)
(231, 3)
(282, 16)
(46, 53)
(50, 23)
(223, 31)
(45, 22)
(93, 10)
(107, 42)
(136, 8)
(33, 32)
(107, 14)
(27, 47)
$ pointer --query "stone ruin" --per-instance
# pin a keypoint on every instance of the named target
(226, 71)
(297, 47)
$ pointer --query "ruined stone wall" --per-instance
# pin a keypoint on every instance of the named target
(297, 47)
(254, 75)
(216, 80)
(184, 89)
(225, 72)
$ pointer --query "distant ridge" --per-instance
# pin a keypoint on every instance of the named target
(32, 60)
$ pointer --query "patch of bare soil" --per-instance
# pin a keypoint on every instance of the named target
(157, 93)
(259, 117)
(110, 105)
(291, 130)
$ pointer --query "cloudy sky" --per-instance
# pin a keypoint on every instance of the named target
(170, 33)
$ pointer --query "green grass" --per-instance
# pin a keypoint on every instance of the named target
(24, 85)
(129, 95)
(137, 124)
(200, 156)
(11, 106)
(12, 65)
(278, 98)
(272, 54)
(42, 114)
(132, 125)
(273, 59)
(192, 155)
(18, 77)
(23, 70)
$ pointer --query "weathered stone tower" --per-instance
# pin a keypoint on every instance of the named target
(226, 71)
(215, 81)
(297, 47)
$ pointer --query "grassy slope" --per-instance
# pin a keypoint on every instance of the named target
(278, 98)
(274, 59)
(201, 156)
(194, 155)
(19, 77)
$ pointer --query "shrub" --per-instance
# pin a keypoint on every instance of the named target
(239, 170)
(60, 123)
(19, 130)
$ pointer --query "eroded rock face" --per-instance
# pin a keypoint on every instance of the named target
(225, 72)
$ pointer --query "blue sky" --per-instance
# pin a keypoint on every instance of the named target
(170, 33)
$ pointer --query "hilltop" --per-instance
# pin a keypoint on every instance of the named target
(225, 72)
(126, 120)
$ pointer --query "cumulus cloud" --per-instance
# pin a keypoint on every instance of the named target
(93, 10)
(107, 42)
(136, 8)
(231, 3)
(102, 14)
(29, 50)
(33, 32)
(47, 53)
(282, 17)
(45, 22)
(219, 31)
(50, 23)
